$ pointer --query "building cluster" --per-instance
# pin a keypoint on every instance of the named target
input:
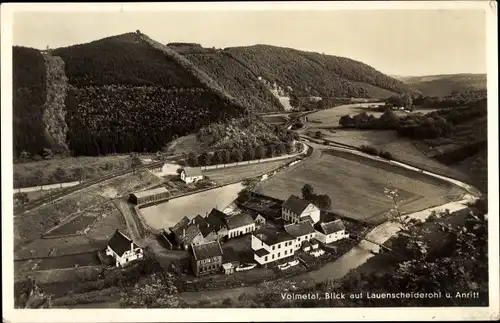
(303, 230)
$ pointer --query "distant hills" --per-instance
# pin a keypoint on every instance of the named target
(444, 85)
(131, 93)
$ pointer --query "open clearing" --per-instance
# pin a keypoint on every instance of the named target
(349, 179)
(275, 119)
(68, 261)
(402, 149)
(166, 215)
(93, 167)
(232, 174)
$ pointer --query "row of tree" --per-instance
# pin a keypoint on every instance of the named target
(226, 156)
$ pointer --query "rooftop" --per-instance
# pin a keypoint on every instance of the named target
(331, 227)
(207, 250)
(271, 235)
(238, 221)
(299, 229)
(154, 191)
(216, 219)
(261, 252)
(193, 171)
(296, 204)
(120, 243)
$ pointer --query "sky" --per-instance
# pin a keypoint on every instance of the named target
(395, 42)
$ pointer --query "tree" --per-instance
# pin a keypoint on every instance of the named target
(260, 152)
(47, 153)
(249, 154)
(21, 197)
(237, 155)
(323, 201)
(407, 100)
(225, 156)
(135, 161)
(346, 121)
(318, 135)
(289, 147)
(157, 291)
(79, 174)
(39, 176)
(280, 149)
(192, 159)
(24, 155)
(179, 170)
(205, 159)
(59, 175)
(307, 192)
(271, 151)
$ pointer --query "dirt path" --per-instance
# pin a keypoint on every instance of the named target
(130, 218)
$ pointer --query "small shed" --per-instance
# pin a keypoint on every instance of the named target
(147, 196)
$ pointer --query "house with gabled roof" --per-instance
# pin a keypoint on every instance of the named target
(328, 232)
(207, 231)
(123, 249)
(217, 220)
(191, 175)
(295, 210)
(187, 233)
(206, 258)
(302, 231)
(271, 244)
(239, 224)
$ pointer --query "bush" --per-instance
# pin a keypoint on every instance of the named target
(369, 150)
(386, 155)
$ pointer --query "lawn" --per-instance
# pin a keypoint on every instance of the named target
(165, 215)
(93, 167)
(228, 175)
(69, 261)
(356, 185)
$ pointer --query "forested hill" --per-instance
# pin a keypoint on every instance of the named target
(444, 85)
(130, 93)
(299, 73)
(118, 94)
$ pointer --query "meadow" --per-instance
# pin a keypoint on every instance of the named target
(350, 179)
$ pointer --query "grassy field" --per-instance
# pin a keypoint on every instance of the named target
(93, 167)
(349, 179)
(31, 225)
(227, 175)
(68, 261)
(165, 215)
(186, 144)
(402, 149)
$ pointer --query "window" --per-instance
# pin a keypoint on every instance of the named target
(273, 247)
(265, 258)
(285, 252)
(273, 256)
(278, 254)
(279, 245)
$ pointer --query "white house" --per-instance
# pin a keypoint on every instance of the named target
(191, 174)
(331, 231)
(123, 249)
(302, 231)
(270, 245)
(295, 210)
(239, 224)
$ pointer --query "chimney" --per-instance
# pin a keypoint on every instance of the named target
(131, 246)
(184, 232)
